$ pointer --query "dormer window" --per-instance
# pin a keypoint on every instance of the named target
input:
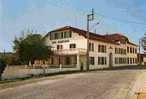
(60, 35)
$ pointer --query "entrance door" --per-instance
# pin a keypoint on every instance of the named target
(110, 60)
(67, 60)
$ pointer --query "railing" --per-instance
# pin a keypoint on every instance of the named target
(63, 66)
(52, 66)
(70, 51)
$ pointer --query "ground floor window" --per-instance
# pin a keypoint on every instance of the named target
(116, 61)
(102, 61)
(92, 60)
(67, 60)
(132, 60)
(121, 60)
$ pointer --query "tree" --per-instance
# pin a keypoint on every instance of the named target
(9, 58)
(31, 47)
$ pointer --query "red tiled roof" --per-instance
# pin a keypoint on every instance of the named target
(110, 38)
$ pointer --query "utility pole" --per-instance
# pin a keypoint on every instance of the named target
(4, 53)
(90, 17)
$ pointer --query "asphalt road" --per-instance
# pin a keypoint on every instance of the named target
(110, 84)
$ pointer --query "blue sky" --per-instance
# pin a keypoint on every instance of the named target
(116, 16)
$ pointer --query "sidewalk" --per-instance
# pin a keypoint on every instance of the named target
(139, 89)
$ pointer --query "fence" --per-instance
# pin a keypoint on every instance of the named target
(12, 72)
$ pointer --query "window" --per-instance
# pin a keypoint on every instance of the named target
(59, 47)
(72, 45)
(70, 34)
(121, 60)
(102, 48)
(127, 49)
(128, 60)
(99, 48)
(135, 50)
(91, 60)
(91, 46)
(133, 61)
(64, 34)
(56, 35)
(60, 35)
(120, 51)
(102, 61)
(130, 50)
(52, 36)
(115, 50)
(116, 61)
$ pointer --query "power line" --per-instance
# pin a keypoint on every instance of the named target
(121, 20)
(104, 16)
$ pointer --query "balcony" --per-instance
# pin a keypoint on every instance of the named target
(72, 51)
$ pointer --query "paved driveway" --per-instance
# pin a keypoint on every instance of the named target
(110, 84)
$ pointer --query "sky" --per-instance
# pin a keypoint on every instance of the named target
(127, 17)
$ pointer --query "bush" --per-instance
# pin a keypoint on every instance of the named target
(2, 67)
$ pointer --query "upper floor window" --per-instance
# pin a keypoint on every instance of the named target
(115, 50)
(56, 35)
(120, 51)
(135, 50)
(130, 50)
(102, 61)
(102, 48)
(92, 61)
(60, 35)
(127, 49)
(72, 45)
(91, 46)
(59, 47)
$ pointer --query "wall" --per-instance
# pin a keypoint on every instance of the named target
(12, 72)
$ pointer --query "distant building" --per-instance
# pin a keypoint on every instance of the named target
(144, 59)
(140, 58)
(69, 45)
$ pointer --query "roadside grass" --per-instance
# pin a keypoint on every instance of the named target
(22, 81)
(14, 80)
(33, 78)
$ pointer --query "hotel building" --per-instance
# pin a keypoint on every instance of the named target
(69, 45)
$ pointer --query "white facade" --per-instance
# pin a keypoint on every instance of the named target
(101, 59)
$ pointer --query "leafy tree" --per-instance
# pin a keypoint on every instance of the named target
(10, 58)
(31, 47)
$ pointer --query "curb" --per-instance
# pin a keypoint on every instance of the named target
(139, 89)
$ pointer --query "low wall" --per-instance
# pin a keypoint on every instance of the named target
(12, 72)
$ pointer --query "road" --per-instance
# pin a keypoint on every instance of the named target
(109, 84)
